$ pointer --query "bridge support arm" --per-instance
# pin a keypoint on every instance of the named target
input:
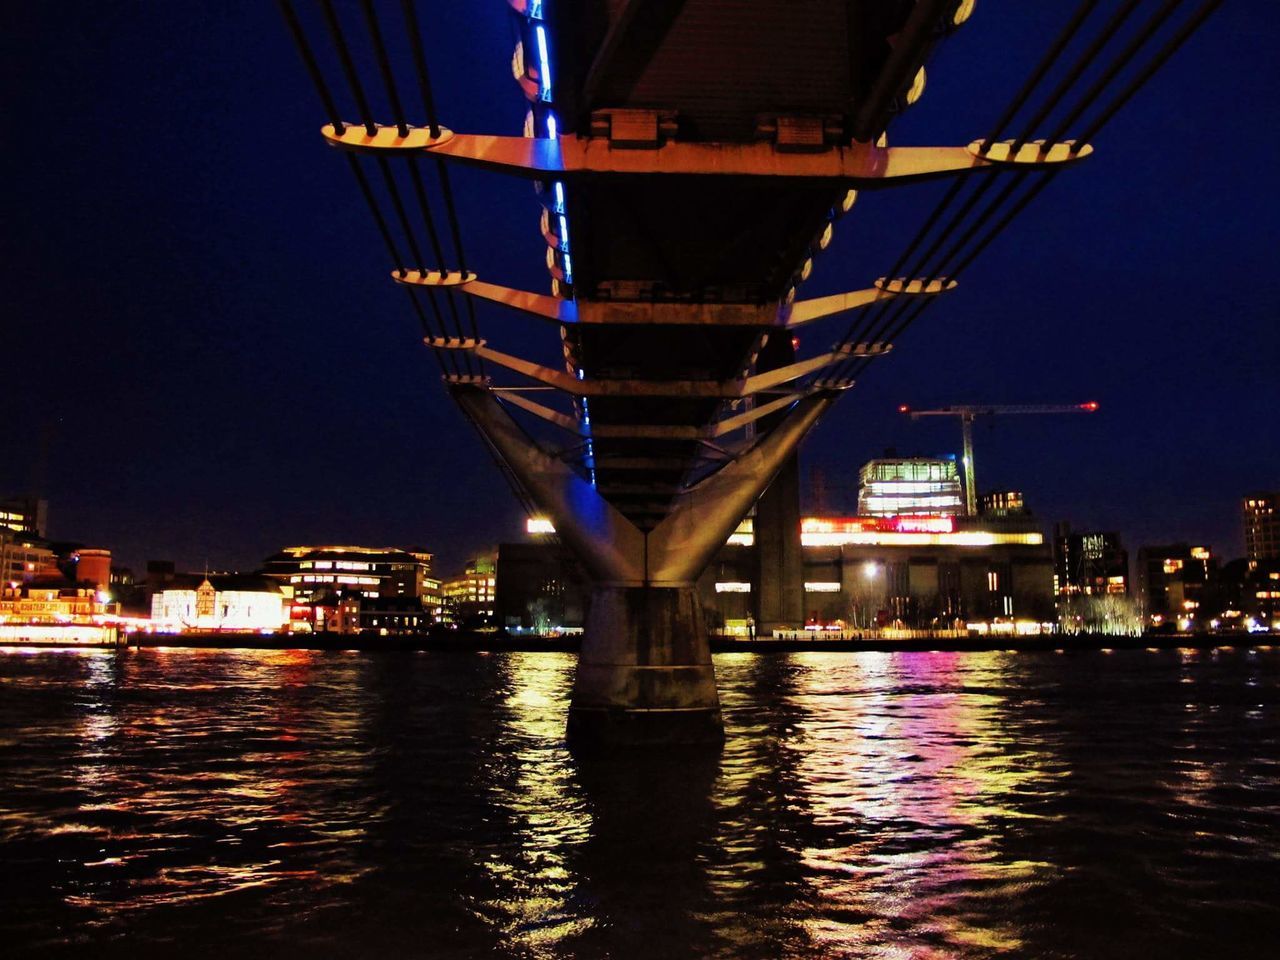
(607, 543)
(683, 544)
(644, 673)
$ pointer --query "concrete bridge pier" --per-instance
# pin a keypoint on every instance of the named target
(644, 674)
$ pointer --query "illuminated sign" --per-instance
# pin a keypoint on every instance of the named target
(905, 531)
(852, 525)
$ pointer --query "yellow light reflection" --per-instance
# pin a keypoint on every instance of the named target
(904, 765)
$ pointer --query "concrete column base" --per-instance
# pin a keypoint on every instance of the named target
(644, 674)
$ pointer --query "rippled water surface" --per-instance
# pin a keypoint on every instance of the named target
(247, 803)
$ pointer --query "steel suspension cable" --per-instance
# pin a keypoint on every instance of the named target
(1161, 57)
(384, 66)
(366, 117)
(869, 316)
(424, 207)
(446, 187)
(1109, 30)
(1143, 35)
(1038, 74)
(348, 65)
(371, 201)
(402, 125)
(1121, 60)
(893, 326)
(1004, 221)
(1159, 60)
(420, 62)
(896, 317)
(911, 315)
(1014, 183)
(425, 325)
(874, 326)
(453, 312)
(397, 203)
(366, 191)
(874, 315)
(313, 68)
(429, 105)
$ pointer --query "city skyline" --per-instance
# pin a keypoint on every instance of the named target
(226, 386)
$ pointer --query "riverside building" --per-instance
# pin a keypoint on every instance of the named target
(858, 573)
(916, 572)
(909, 486)
(1089, 564)
(22, 557)
(192, 603)
(51, 610)
(1262, 526)
(318, 573)
(910, 559)
(1173, 581)
(470, 597)
(25, 515)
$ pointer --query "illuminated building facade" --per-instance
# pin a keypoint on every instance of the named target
(1002, 503)
(909, 486)
(191, 603)
(1262, 599)
(1173, 581)
(1244, 595)
(52, 601)
(394, 616)
(25, 515)
(336, 614)
(22, 556)
(51, 610)
(1089, 564)
(384, 573)
(1262, 526)
(908, 571)
(470, 596)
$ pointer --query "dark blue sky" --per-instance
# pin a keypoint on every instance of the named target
(196, 304)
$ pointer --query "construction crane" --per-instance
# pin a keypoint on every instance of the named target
(970, 412)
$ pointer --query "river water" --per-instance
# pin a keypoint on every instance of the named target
(259, 803)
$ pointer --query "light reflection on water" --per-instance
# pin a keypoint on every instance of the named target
(865, 805)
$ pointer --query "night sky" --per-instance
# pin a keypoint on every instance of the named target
(198, 317)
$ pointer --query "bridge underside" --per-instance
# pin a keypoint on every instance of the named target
(681, 422)
(691, 159)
